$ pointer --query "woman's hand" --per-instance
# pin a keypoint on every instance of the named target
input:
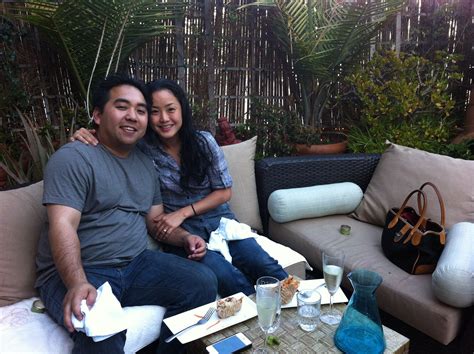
(167, 223)
(85, 136)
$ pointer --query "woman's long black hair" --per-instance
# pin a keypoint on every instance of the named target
(195, 153)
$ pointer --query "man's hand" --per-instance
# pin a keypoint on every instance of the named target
(72, 302)
(195, 247)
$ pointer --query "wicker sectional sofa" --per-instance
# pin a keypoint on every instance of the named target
(407, 297)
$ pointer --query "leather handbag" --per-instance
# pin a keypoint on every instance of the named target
(410, 240)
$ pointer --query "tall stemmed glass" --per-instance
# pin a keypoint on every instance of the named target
(268, 303)
(333, 266)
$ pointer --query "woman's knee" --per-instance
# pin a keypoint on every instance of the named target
(248, 253)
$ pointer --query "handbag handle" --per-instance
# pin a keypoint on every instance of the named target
(440, 200)
(442, 233)
(420, 219)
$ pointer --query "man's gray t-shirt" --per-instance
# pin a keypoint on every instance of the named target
(112, 193)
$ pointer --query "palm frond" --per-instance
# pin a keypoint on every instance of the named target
(323, 36)
(75, 27)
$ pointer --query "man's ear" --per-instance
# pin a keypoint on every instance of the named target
(96, 116)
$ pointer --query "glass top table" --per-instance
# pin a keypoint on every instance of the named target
(293, 339)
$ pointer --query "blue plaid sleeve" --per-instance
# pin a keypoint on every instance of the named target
(218, 173)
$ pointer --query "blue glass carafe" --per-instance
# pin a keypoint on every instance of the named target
(360, 330)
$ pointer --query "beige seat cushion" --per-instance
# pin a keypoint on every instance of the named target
(402, 169)
(405, 296)
(24, 331)
(21, 219)
(241, 162)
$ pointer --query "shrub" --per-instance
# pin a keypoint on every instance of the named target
(406, 100)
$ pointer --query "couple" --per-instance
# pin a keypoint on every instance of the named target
(101, 201)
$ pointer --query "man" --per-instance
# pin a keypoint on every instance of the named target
(99, 203)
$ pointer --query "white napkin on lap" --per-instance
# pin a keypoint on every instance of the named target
(104, 319)
(228, 230)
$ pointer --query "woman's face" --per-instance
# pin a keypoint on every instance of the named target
(166, 117)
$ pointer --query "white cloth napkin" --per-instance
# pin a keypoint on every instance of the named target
(228, 230)
(104, 319)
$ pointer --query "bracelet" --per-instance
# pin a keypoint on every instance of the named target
(194, 210)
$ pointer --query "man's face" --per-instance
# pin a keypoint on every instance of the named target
(123, 121)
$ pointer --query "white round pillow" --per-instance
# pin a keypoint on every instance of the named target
(310, 202)
(453, 278)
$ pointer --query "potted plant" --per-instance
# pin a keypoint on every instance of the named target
(309, 140)
(280, 133)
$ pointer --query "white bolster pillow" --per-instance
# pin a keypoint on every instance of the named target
(453, 278)
(310, 202)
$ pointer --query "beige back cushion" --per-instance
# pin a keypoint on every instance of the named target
(21, 218)
(241, 161)
(402, 169)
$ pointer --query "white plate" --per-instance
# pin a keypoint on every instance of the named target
(182, 320)
(314, 283)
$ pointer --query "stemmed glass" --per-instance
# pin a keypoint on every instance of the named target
(268, 303)
(333, 267)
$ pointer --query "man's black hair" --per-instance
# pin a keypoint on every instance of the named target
(102, 92)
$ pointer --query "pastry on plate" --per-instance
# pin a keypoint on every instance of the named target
(228, 306)
(288, 289)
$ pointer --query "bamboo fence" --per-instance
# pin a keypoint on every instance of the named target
(224, 59)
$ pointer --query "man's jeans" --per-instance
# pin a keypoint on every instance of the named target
(152, 278)
(249, 262)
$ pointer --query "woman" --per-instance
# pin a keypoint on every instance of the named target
(196, 186)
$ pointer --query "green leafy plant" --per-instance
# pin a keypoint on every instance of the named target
(463, 150)
(29, 164)
(323, 39)
(309, 135)
(271, 125)
(25, 153)
(406, 100)
(96, 37)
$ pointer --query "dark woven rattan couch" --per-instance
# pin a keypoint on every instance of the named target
(404, 296)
